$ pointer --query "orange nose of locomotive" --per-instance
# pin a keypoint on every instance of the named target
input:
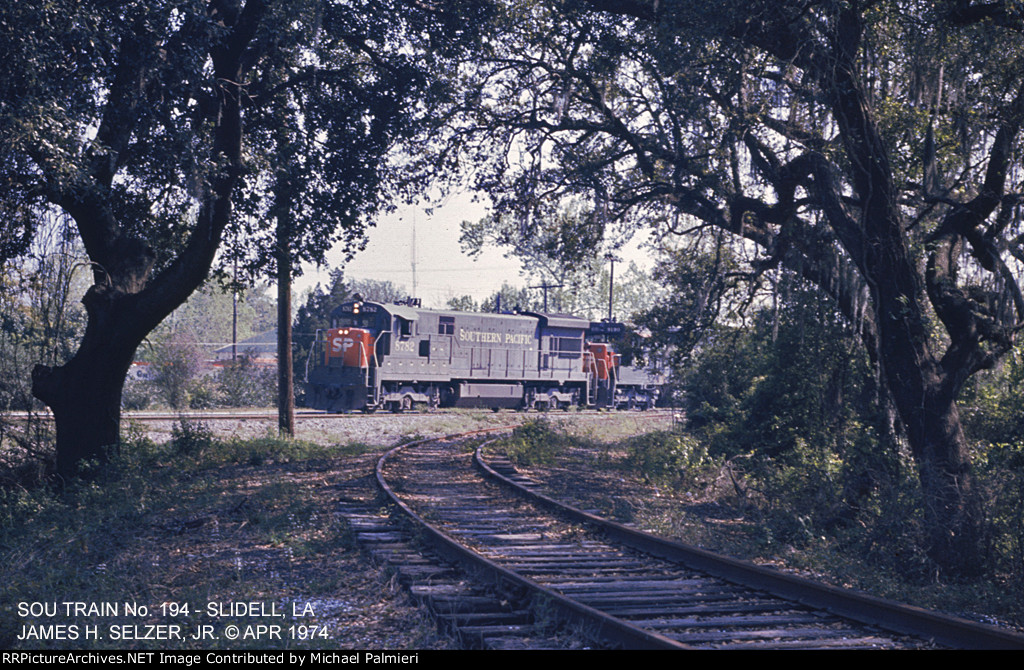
(352, 346)
(599, 361)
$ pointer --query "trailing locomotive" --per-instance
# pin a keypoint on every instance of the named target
(398, 357)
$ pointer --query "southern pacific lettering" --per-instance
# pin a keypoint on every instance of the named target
(512, 339)
(400, 357)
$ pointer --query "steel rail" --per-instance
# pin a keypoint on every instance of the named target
(604, 626)
(301, 413)
(904, 619)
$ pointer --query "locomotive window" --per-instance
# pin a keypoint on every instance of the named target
(566, 345)
(404, 327)
(446, 325)
(355, 321)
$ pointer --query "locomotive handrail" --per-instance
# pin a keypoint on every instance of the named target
(477, 351)
(309, 354)
(590, 362)
(613, 381)
(376, 365)
(363, 356)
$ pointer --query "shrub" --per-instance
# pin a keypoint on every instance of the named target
(243, 383)
(1001, 473)
(534, 442)
(668, 458)
(137, 394)
(191, 438)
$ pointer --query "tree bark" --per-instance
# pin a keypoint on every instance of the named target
(865, 217)
(925, 401)
(85, 397)
(127, 300)
(85, 393)
(285, 371)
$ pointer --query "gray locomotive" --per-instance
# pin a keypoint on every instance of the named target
(400, 357)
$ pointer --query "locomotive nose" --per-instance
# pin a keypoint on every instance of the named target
(353, 346)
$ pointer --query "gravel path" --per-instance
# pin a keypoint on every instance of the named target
(381, 430)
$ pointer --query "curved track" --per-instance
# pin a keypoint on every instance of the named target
(628, 589)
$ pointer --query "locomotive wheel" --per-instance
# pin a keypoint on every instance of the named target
(406, 404)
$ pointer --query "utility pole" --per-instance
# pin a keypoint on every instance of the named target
(611, 285)
(285, 373)
(234, 311)
(546, 286)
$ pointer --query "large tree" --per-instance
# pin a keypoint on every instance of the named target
(145, 121)
(871, 147)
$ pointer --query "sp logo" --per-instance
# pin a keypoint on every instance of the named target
(340, 344)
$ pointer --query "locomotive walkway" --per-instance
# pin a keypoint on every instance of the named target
(507, 572)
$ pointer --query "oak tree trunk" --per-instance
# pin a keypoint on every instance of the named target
(85, 393)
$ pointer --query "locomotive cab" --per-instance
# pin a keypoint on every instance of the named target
(621, 385)
(400, 356)
(346, 355)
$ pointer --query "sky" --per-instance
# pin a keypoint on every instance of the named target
(442, 270)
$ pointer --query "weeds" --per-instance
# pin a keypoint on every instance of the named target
(191, 438)
(668, 458)
(188, 521)
(534, 442)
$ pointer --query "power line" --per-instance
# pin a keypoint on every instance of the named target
(546, 286)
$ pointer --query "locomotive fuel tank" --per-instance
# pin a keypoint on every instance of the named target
(398, 357)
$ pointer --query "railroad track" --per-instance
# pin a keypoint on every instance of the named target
(306, 414)
(535, 563)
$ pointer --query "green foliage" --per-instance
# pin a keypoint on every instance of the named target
(165, 129)
(695, 294)
(201, 394)
(209, 313)
(264, 450)
(993, 406)
(40, 317)
(195, 441)
(81, 537)
(790, 405)
(799, 374)
(669, 458)
(993, 411)
(176, 361)
(138, 394)
(1001, 470)
(378, 290)
(565, 251)
(462, 303)
(510, 298)
(191, 438)
(534, 442)
(804, 137)
(243, 383)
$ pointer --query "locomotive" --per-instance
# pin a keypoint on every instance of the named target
(399, 357)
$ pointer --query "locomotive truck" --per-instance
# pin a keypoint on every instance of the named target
(399, 357)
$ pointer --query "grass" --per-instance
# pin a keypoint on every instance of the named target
(663, 482)
(198, 520)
